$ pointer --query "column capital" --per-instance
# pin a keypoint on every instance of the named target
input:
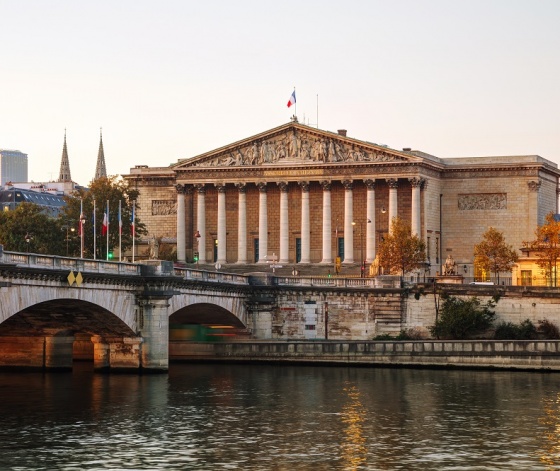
(416, 182)
(326, 184)
(181, 189)
(370, 183)
(348, 184)
(200, 188)
(283, 186)
(241, 187)
(392, 182)
(304, 186)
(262, 187)
(221, 187)
(534, 185)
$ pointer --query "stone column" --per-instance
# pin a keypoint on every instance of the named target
(201, 222)
(533, 219)
(348, 219)
(242, 224)
(305, 225)
(153, 326)
(416, 221)
(370, 220)
(393, 198)
(327, 224)
(222, 224)
(284, 256)
(263, 223)
(181, 235)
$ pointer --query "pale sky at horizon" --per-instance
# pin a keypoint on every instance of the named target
(168, 80)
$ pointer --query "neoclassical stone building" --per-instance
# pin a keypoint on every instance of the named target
(304, 197)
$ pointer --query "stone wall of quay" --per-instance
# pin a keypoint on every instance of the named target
(522, 355)
(365, 314)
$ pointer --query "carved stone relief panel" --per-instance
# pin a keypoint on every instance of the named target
(483, 201)
(296, 146)
(164, 207)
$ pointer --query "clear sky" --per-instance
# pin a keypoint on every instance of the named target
(171, 79)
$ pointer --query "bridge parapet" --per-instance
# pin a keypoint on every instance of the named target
(54, 262)
(211, 276)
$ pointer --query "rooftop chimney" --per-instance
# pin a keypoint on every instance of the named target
(407, 149)
(342, 132)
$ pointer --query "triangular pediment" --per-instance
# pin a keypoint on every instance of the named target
(293, 144)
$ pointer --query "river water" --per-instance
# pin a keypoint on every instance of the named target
(257, 417)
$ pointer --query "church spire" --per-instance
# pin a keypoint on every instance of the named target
(100, 169)
(64, 175)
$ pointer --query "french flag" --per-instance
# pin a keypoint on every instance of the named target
(292, 100)
(105, 224)
(132, 228)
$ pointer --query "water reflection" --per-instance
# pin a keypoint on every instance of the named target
(354, 451)
(280, 417)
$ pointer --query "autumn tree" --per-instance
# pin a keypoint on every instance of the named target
(29, 229)
(101, 191)
(493, 255)
(546, 245)
(401, 251)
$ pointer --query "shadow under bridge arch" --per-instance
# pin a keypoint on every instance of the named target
(207, 314)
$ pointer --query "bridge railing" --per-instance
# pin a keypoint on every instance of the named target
(377, 282)
(55, 262)
(211, 276)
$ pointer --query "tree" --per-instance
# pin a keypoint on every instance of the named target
(492, 254)
(101, 191)
(463, 318)
(28, 229)
(547, 247)
(400, 251)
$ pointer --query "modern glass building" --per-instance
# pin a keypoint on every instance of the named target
(13, 166)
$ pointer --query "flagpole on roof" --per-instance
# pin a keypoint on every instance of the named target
(295, 104)
(317, 111)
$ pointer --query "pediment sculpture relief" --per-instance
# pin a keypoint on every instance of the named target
(293, 148)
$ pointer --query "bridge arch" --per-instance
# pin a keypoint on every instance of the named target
(205, 313)
(71, 316)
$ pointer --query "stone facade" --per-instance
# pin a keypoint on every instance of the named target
(307, 196)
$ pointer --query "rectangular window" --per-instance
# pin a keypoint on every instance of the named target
(428, 244)
(309, 327)
(437, 250)
(298, 249)
(256, 249)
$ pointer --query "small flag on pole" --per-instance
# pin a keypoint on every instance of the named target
(105, 224)
(292, 100)
(120, 219)
(132, 228)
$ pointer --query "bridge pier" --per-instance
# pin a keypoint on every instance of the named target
(116, 353)
(153, 322)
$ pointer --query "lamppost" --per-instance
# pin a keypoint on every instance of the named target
(68, 228)
(197, 253)
(28, 239)
(362, 261)
(82, 223)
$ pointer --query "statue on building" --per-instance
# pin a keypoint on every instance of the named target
(154, 248)
(449, 267)
(374, 267)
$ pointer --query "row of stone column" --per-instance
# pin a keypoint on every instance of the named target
(327, 258)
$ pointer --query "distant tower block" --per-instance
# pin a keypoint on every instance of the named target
(64, 175)
(100, 169)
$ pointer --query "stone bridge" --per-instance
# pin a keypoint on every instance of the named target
(54, 310)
